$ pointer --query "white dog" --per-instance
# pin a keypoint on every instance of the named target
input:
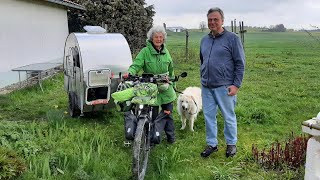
(189, 104)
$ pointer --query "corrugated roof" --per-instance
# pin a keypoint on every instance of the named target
(67, 3)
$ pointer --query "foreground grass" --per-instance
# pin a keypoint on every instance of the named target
(280, 90)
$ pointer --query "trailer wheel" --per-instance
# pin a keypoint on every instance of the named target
(74, 111)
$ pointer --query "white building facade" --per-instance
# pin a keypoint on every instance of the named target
(32, 31)
(176, 29)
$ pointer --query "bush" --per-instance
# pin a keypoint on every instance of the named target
(292, 155)
(11, 165)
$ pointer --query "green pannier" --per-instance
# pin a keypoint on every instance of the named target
(122, 98)
(145, 93)
(124, 95)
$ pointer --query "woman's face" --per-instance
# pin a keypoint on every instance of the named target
(157, 39)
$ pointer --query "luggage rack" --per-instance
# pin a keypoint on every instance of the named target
(37, 72)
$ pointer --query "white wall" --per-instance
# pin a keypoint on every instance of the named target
(174, 29)
(31, 31)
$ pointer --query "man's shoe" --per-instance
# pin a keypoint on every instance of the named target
(208, 151)
(231, 150)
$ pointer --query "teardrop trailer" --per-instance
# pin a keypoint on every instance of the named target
(92, 62)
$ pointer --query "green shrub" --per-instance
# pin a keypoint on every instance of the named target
(11, 165)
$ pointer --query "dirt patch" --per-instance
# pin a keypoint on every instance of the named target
(2, 92)
(15, 86)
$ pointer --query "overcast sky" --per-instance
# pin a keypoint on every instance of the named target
(296, 14)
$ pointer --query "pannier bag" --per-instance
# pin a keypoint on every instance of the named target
(122, 97)
(130, 125)
(145, 93)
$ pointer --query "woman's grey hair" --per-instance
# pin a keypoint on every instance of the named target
(216, 9)
(156, 29)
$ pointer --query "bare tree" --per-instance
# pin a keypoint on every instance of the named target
(203, 25)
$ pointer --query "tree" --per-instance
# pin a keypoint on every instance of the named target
(203, 25)
(280, 28)
(271, 27)
(276, 28)
(128, 17)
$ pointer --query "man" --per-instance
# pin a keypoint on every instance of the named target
(222, 69)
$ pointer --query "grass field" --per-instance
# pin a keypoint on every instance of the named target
(279, 91)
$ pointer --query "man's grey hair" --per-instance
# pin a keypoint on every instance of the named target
(156, 29)
(216, 9)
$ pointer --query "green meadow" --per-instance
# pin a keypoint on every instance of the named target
(280, 90)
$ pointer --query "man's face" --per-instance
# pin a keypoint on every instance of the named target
(215, 22)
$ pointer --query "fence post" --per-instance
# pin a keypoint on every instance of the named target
(232, 26)
(235, 26)
(242, 31)
(105, 26)
(187, 45)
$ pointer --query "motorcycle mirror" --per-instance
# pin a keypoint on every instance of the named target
(184, 74)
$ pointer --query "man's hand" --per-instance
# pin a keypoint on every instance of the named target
(233, 90)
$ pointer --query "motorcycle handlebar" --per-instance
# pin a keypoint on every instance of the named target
(150, 78)
(147, 77)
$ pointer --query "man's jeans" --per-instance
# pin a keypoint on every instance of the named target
(211, 100)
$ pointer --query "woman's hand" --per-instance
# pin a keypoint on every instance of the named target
(125, 75)
(166, 79)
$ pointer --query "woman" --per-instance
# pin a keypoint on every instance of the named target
(156, 59)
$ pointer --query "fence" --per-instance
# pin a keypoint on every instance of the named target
(241, 30)
(189, 53)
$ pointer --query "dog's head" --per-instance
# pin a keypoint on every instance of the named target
(186, 103)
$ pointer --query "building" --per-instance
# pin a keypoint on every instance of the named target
(32, 31)
(176, 29)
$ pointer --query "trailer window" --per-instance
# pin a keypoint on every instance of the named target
(75, 54)
(97, 93)
(69, 63)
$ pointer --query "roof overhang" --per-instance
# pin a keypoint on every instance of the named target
(67, 3)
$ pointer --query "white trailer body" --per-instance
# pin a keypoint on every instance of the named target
(92, 63)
